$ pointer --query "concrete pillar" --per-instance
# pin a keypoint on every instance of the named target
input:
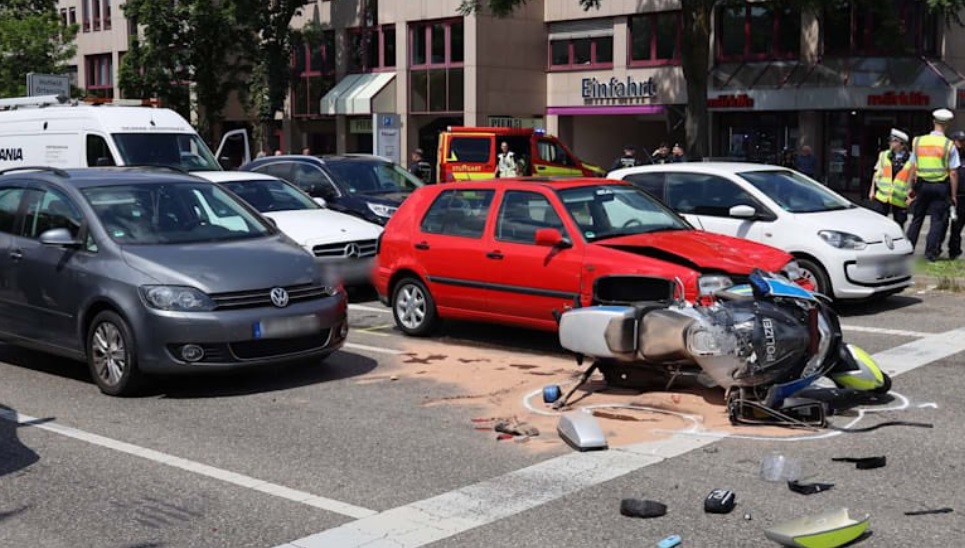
(341, 134)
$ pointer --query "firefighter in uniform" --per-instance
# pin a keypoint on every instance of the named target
(935, 164)
(956, 225)
(889, 190)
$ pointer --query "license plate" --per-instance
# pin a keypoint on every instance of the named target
(893, 269)
(292, 326)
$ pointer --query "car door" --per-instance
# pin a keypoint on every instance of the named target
(11, 305)
(49, 278)
(234, 150)
(313, 180)
(450, 248)
(551, 159)
(708, 202)
(530, 281)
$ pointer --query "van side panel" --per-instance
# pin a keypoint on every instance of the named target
(63, 150)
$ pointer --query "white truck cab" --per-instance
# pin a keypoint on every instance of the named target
(57, 132)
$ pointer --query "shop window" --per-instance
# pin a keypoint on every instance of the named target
(313, 74)
(436, 78)
(888, 28)
(581, 53)
(655, 38)
(99, 72)
(758, 32)
(371, 48)
(701, 194)
(459, 213)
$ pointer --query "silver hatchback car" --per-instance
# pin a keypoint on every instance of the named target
(139, 272)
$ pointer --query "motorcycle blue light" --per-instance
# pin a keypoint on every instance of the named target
(759, 285)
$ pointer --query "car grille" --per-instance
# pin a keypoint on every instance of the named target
(346, 250)
(269, 348)
(262, 297)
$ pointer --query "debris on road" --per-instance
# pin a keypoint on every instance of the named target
(670, 542)
(581, 431)
(930, 512)
(826, 530)
(638, 508)
(720, 501)
(867, 463)
(775, 467)
(808, 488)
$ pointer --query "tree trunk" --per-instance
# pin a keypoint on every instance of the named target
(695, 62)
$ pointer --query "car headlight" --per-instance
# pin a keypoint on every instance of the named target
(791, 271)
(381, 210)
(842, 240)
(176, 298)
(708, 285)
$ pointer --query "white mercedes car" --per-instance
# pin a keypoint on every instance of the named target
(343, 242)
(847, 251)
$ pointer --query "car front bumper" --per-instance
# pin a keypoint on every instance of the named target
(250, 337)
(873, 271)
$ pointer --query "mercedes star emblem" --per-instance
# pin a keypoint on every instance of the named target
(352, 251)
(279, 297)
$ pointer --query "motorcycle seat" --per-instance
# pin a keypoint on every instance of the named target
(662, 336)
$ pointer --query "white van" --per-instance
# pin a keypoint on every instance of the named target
(57, 132)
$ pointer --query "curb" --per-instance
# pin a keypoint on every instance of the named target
(946, 283)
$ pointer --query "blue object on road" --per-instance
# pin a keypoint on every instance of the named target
(551, 393)
(670, 542)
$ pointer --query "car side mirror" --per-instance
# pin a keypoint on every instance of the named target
(550, 237)
(59, 237)
(320, 201)
(272, 222)
(743, 212)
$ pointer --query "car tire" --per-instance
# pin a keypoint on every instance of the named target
(413, 308)
(815, 272)
(112, 356)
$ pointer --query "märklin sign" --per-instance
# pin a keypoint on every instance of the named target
(901, 99)
(731, 101)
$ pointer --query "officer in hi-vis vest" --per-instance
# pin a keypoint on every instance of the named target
(889, 190)
(957, 222)
(934, 172)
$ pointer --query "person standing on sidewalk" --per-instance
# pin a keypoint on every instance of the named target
(419, 167)
(889, 189)
(935, 164)
(629, 158)
(957, 224)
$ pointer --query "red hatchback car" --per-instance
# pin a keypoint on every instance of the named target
(518, 251)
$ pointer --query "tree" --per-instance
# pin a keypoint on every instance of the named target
(695, 53)
(32, 39)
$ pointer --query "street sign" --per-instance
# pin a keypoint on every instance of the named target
(48, 84)
(388, 137)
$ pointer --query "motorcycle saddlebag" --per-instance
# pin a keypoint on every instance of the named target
(600, 332)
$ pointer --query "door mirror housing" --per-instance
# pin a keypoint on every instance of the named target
(550, 237)
(59, 237)
(743, 212)
(320, 201)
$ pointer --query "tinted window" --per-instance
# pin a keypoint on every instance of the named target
(47, 210)
(521, 214)
(459, 213)
(98, 153)
(470, 149)
(282, 170)
(9, 205)
(313, 180)
(701, 194)
(268, 196)
(796, 193)
(651, 182)
(363, 176)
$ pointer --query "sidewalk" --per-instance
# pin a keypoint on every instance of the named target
(943, 274)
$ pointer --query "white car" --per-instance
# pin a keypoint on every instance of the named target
(346, 243)
(847, 251)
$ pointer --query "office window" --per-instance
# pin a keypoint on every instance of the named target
(371, 48)
(96, 9)
(85, 14)
(891, 27)
(655, 38)
(436, 75)
(581, 53)
(99, 74)
(758, 32)
(72, 16)
(313, 75)
(107, 14)
(63, 17)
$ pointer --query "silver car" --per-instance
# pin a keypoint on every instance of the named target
(140, 272)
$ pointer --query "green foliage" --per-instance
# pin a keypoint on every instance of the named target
(32, 39)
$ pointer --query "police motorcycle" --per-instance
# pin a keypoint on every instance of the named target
(763, 342)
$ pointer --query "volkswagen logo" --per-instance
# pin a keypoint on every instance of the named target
(279, 297)
(352, 251)
(889, 241)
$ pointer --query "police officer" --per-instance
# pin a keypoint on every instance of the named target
(629, 158)
(889, 189)
(419, 167)
(956, 225)
(935, 164)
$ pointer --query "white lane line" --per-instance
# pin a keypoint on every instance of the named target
(377, 349)
(456, 512)
(885, 331)
(240, 480)
(363, 308)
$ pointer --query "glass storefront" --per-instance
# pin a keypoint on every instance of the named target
(756, 136)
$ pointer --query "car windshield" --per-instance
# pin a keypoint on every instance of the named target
(271, 195)
(173, 213)
(608, 211)
(372, 176)
(178, 150)
(796, 193)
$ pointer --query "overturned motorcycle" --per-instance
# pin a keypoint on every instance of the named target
(763, 342)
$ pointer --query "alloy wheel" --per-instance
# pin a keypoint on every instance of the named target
(411, 306)
(109, 354)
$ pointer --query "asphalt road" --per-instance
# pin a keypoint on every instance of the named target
(268, 458)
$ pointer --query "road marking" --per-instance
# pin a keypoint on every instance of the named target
(375, 330)
(367, 348)
(450, 514)
(885, 331)
(240, 480)
(363, 308)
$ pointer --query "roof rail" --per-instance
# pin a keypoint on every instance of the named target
(38, 101)
(159, 167)
(59, 172)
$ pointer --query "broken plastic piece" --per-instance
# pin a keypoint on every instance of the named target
(808, 488)
(581, 431)
(670, 542)
(637, 508)
(720, 501)
(776, 467)
(868, 463)
(928, 512)
(552, 393)
(827, 530)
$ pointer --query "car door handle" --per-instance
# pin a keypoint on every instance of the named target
(422, 245)
(16, 254)
(494, 255)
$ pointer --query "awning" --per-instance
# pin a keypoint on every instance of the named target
(356, 94)
(835, 83)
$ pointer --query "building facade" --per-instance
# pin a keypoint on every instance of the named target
(781, 78)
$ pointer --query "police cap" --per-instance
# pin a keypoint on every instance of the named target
(943, 115)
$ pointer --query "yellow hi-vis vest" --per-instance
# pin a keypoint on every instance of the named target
(932, 157)
(891, 188)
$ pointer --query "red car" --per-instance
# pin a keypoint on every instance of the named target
(515, 251)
